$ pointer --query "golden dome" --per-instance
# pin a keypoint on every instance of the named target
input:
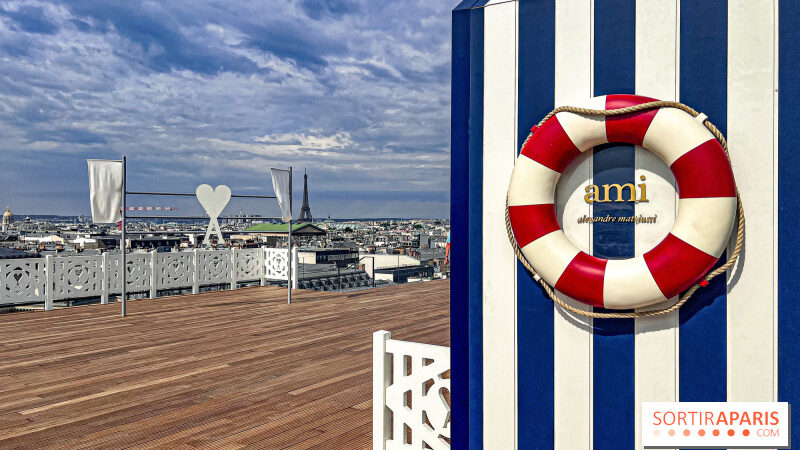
(8, 218)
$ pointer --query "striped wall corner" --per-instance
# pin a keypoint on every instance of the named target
(526, 374)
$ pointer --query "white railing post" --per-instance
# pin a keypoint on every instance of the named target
(153, 274)
(51, 281)
(381, 375)
(196, 274)
(233, 268)
(295, 267)
(106, 280)
(263, 264)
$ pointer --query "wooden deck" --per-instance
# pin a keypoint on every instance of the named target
(227, 369)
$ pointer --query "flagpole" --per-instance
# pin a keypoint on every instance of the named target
(124, 266)
(290, 259)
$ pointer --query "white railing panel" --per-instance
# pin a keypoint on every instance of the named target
(139, 273)
(249, 264)
(214, 266)
(175, 270)
(276, 264)
(417, 374)
(22, 280)
(71, 277)
(77, 276)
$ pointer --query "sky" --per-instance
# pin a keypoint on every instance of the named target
(217, 92)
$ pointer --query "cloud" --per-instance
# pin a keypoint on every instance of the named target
(310, 140)
(318, 9)
(357, 92)
(30, 19)
(68, 136)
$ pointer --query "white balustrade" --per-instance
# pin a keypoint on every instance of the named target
(250, 264)
(140, 272)
(409, 406)
(77, 276)
(176, 270)
(55, 278)
(214, 267)
(276, 264)
(22, 280)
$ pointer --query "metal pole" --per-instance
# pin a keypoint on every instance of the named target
(289, 247)
(183, 194)
(124, 267)
(205, 218)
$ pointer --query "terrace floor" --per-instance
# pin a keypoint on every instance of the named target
(225, 369)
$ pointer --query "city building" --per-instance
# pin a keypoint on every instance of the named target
(8, 220)
(404, 274)
(155, 242)
(341, 257)
(330, 277)
(10, 253)
(282, 229)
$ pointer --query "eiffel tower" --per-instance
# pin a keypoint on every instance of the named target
(305, 212)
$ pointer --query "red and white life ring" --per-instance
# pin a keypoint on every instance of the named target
(706, 206)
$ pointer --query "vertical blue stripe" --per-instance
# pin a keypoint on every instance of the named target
(459, 206)
(476, 230)
(615, 69)
(703, 86)
(613, 164)
(536, 68)
(789, 204)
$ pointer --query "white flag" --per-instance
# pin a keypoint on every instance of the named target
(280, 184)
(105, 190)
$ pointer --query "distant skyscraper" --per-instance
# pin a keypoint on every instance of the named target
(305, 212)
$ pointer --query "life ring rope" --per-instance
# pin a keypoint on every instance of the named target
(688, 294)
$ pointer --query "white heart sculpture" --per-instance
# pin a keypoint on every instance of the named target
(214, 200)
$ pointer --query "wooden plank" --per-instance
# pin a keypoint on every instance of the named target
(226, 369)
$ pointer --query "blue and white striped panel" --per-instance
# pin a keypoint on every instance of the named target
(788, 118)
(527, 374)
(614, 57)
(459, 222)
